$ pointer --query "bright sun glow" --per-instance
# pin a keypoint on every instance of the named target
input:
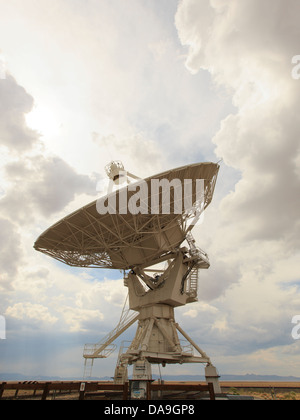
(44, 121)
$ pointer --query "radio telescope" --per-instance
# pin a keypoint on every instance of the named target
(144, 229)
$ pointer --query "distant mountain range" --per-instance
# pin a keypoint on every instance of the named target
(248, 377)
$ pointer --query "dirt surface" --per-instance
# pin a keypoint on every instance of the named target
(258, 390)
(264, 390)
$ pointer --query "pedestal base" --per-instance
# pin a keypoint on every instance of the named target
(212, 376)
(156, 341)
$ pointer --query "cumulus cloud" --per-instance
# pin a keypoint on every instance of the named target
(247, 47)
(27, 311)
(111, 292)
(41, 185)
(35, 181)
(36, 184)
(65, 301)
(132, 151)
(15, 103)
(78, 319)
(11, 253)
(252, 237)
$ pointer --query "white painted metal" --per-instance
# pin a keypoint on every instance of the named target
(136, 243)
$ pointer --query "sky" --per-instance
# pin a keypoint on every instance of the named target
(157, 84)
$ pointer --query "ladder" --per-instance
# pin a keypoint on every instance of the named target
(192, 286)
(105, 347)
(88, 367)
(121, 373)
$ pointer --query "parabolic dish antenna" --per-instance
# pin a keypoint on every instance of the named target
(134, 228)
(86, 238)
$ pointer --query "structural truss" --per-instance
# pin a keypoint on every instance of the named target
(86, 238)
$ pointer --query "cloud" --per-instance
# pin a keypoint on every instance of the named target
(77, 319)
(123, 80)
(247, 47)
(35, 182)
(11, 253)
(33, 284)
(36, 185)
(32, 312)
(50, 299)
(15, 102)
(41, 185)
(132, 151)
(214, 282)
